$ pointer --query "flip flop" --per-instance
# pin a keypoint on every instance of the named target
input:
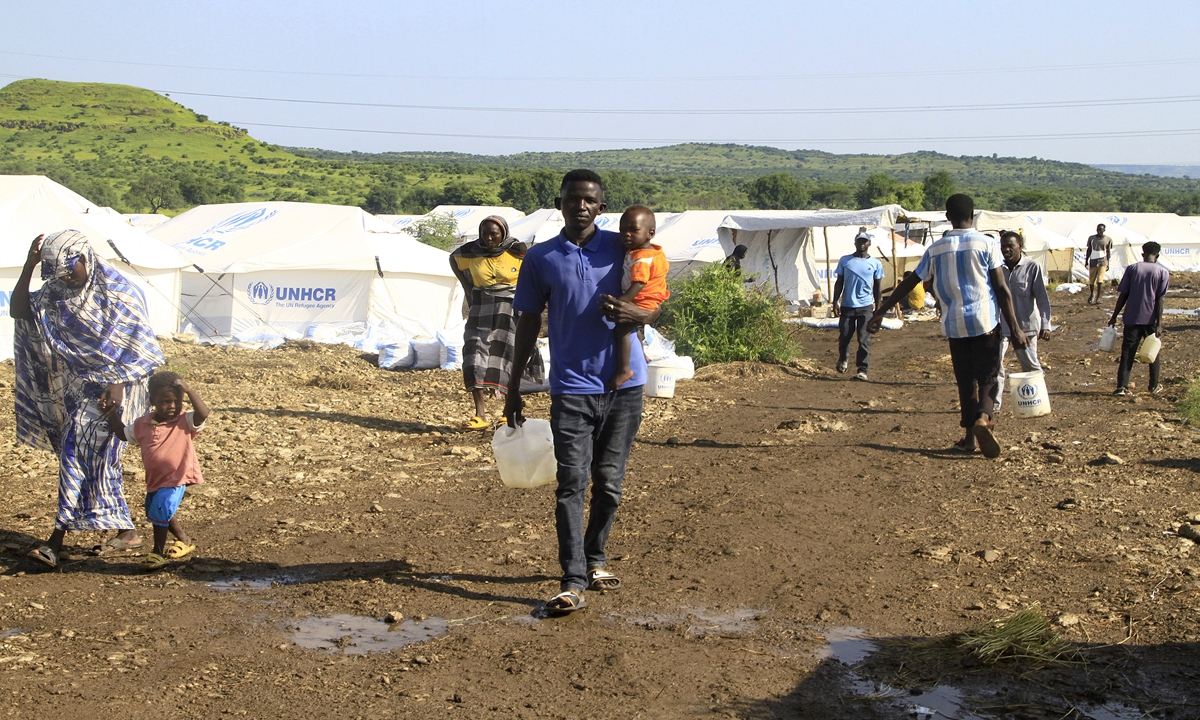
(45, 555)
(565, 603)
(153, 561)
(114, 544)
(476, 423)
(180, 549)
(962, 447)
(987, 441)
(601, 579)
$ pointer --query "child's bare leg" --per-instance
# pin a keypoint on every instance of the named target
(160, 538)
(178, 531)
(624, 345)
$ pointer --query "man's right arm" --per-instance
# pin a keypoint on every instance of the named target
(529, 326)
(903, 289)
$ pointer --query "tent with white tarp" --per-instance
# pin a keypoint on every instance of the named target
(1179, 237)
(1079, 226)
(690, 239)
(795, 252)
(32, 205)
(1054, 252)
(401, 222)
(145, 222)
(294, 266)
(538, 226)
(468, 217)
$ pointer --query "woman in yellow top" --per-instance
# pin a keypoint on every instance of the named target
(488, 269)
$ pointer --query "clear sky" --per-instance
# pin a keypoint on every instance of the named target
(685, 71)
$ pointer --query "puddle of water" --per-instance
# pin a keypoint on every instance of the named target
(698, 621)
(850, 646)
(357, 635)
(266, 582)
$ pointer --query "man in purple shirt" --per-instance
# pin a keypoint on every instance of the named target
(1142, 291)
(576, 278)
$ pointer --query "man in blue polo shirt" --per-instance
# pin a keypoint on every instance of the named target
(859, 276)
(576, 277)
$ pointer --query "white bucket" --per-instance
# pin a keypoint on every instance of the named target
(1148, 350)
(1108, 339)
(660, 380)
(525, 455)
(1029, 396)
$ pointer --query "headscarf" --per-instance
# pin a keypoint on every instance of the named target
(476, 248)
(86, 337)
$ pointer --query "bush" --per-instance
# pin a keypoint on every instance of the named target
(436, 229)
(714, 318)
(1189, 405)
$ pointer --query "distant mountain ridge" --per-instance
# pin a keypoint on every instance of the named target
(136, 150)
(1171, 171)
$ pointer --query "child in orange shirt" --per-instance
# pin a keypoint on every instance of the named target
(165, 438)
(644, 281)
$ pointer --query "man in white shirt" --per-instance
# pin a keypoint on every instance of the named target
(965, 267)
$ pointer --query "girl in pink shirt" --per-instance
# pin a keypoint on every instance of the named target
(165, 438)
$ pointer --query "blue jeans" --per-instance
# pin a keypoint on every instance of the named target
(592, 436)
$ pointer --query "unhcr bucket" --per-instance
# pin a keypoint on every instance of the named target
(1029, 396)
(660, 380)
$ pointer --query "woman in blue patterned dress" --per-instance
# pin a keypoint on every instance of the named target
(81, 346)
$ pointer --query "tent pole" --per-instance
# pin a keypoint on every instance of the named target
(771, 256)
(828, 287)
(895, 272)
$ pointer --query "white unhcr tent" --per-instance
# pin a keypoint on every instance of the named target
(1179, 237)
(786, 250)
(690, 240)
(400, 222)
(146, 222)
(468, 217)
(32, 205)
(1054, 252)
(293, 266)
(538, 226)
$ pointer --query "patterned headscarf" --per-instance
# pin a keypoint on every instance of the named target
(61, 251)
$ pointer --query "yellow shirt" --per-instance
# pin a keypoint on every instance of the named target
(488, 271)
(916, 297)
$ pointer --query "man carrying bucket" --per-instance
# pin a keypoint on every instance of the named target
(1142, 291)
(593, 427)
(1031, 303)
(965, 267)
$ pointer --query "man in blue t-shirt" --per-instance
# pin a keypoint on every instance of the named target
(1141, 294)
(858, 278)
(576, 278)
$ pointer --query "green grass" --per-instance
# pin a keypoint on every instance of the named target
(1189, 405)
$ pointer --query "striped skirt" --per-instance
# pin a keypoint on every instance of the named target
(488, 343)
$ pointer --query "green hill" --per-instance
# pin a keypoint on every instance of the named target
(136, 150)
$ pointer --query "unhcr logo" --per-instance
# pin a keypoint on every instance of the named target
(211, 240)
(260, 293)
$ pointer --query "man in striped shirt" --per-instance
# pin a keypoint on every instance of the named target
(965, 266)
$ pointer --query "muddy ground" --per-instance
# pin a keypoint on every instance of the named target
(767, 512)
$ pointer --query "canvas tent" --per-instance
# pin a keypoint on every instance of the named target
(1054, 252)
(1079, 226)
(296, 265)
(32, 205)
(538, 226)
(468, 217)
(786, 249)
(146, 222)
(690, 240)
(400, 222)
(1179, 237)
